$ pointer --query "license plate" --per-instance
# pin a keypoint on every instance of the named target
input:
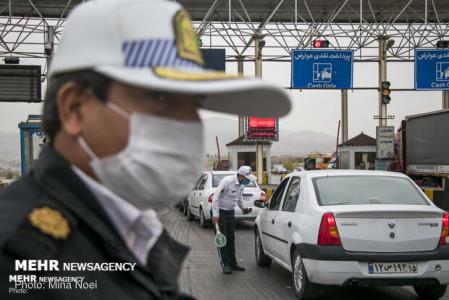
(387, 268)
(246, 199)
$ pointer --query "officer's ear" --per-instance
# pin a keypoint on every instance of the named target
(70, 100)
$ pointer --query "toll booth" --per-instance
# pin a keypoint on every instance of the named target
(32, 139)
(243, 153)
(358, 153)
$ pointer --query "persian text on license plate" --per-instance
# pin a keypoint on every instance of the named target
(386, 268)
(246, 198)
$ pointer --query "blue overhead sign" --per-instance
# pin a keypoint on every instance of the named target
(432, 69)
(322, 69)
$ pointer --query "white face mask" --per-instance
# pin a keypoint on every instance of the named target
(159, 165)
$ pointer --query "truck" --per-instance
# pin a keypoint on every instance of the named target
(422, 152)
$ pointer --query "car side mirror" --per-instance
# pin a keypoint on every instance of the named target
(259, 204)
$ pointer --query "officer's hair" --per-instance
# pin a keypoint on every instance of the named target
(85, 79)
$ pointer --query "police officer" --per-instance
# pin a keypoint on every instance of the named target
(125, 138)
(227, 196)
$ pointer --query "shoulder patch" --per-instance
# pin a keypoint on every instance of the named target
(41, 234)
(50, 221)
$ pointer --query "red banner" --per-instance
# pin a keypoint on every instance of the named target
(262, 123)
(261, 129)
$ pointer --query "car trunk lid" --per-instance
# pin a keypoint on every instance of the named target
(250, 194)
(404, 228)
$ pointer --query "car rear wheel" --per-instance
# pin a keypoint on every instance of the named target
(304, 289)
(430, 292)
(190, 216)
(204, 223)
(262, 260)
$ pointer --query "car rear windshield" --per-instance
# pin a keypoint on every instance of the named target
(356, 190)
(218, 177)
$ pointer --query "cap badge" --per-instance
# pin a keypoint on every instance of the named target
(186, 39)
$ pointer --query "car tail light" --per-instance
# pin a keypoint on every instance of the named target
(328, 234)
(211, 198)
(263, 196)
(444, 229)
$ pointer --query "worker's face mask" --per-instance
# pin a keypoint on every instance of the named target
(245, 181)
(160, 163)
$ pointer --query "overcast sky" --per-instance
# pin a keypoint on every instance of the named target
(317, 110)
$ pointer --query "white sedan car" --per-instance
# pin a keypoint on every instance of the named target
(199, 202)
(354, 228)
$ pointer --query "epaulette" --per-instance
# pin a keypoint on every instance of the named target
(41, 234)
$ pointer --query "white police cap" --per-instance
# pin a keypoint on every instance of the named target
(152, 44)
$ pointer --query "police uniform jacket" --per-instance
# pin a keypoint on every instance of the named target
(50, 214)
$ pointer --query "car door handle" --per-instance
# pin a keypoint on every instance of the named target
(272, 221)
(289, 224)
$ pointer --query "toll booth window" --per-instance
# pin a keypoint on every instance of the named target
(32, 141)
(38, 144)
(249, 159)
(246, 159)
(365, 160)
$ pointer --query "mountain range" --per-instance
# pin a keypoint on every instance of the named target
(9, 146)
(9, 150)
(291, 142)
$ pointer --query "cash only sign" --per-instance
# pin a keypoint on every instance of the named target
(322, 69)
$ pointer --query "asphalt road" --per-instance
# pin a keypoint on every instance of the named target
(202, 278)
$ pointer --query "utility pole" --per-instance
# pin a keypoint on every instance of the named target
(382, 77)
(240, 71)
(258, 45)
(49, 43)
(445, 99)
(344, 116)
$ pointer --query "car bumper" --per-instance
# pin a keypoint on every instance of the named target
(251, 216)
(355, 273)
(332, 265)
